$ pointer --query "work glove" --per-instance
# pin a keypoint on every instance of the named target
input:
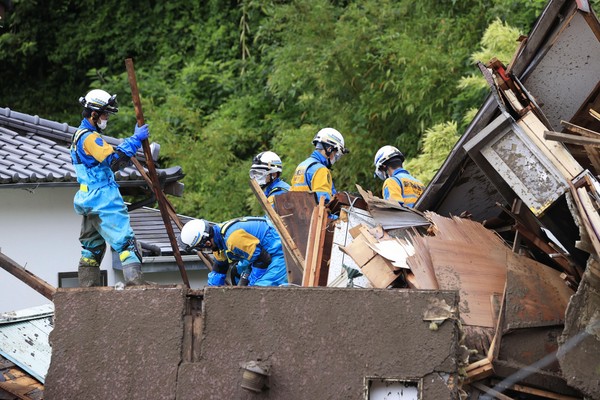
(216, 279)
(141, 132)
(255, 275)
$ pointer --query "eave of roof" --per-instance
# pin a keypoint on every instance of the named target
(35, 152)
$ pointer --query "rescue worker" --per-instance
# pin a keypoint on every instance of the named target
(253, 239)
(314, 173)
(398, 184)
(105, 216)
(266, 170)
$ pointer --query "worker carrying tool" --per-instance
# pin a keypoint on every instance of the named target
(266, 170)
(105, 216)
(398, 184)
(253, 239)
(313, 174)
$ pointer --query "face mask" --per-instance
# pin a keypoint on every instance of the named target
(102, 123)
(259, 176)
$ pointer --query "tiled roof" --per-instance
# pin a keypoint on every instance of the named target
(149, 228)
(35, 151)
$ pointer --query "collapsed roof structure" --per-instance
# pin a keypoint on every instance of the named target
(489, 288)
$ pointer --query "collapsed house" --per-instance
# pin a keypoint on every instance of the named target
(488, 289)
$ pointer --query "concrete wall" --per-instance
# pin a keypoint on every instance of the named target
(321, 343)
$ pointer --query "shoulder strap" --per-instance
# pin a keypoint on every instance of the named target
(75, 138)
(306, 176)
(228, 224)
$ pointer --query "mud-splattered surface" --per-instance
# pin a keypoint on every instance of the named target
(318, 343)
(321, 343)
(115, 344)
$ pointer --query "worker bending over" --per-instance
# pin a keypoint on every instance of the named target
(105, 216)
(398, 184)
(266, 170)
(248, 238)
(313, 174)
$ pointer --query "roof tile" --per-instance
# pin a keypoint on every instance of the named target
(33, 149)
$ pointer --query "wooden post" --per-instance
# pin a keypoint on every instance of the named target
(170, 209)
(314, 246)
(160, 196)
(286, 239)
(37, 284)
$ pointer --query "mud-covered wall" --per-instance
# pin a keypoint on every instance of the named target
(320, 343)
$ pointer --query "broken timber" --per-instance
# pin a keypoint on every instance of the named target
(286, 240)
(37, 284)
(314, 247)
(160, 196)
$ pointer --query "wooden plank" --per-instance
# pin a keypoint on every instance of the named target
(535, 293)
(494, 348)
(27, 277)
(558, 155)
(420, 263)
(482, 371)
(475, 271)
(562, 261)
(295, 257)
(295, 210)
(590, 216)
(595, 114)
(581, 130)
(570, 138)
(537, 392)
(491, 391)
(314, 248)
(186, 345)
(592, 153)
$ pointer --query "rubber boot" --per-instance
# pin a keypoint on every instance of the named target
(132, 274)
(88, 275)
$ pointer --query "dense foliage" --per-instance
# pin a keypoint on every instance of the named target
(222, 81)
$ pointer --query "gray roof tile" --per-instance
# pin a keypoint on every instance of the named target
(36, 150)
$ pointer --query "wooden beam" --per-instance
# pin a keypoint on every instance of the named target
(27, 277)
(573, 139)
(160, 196)
(537, 392)
(286, 239)
(491, 391)
(592, 153)
(595, 114)
(170, 209)
(314, 247)
(579, 129)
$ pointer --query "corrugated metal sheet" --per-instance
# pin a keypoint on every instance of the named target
(24, 339)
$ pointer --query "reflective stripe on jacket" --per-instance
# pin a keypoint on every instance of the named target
(402, 187)
(276, 188)
(312, 175)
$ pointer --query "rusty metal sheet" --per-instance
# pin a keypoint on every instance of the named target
(536, 296)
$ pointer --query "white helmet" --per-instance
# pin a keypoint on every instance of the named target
(195, 233)
(385, 154)
(99, 100)
(329, 137)
(264, 164)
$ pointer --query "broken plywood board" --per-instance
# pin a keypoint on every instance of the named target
(379, 271)
(475, 271)
(463, 229)
(421, 265)
(536, 295)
